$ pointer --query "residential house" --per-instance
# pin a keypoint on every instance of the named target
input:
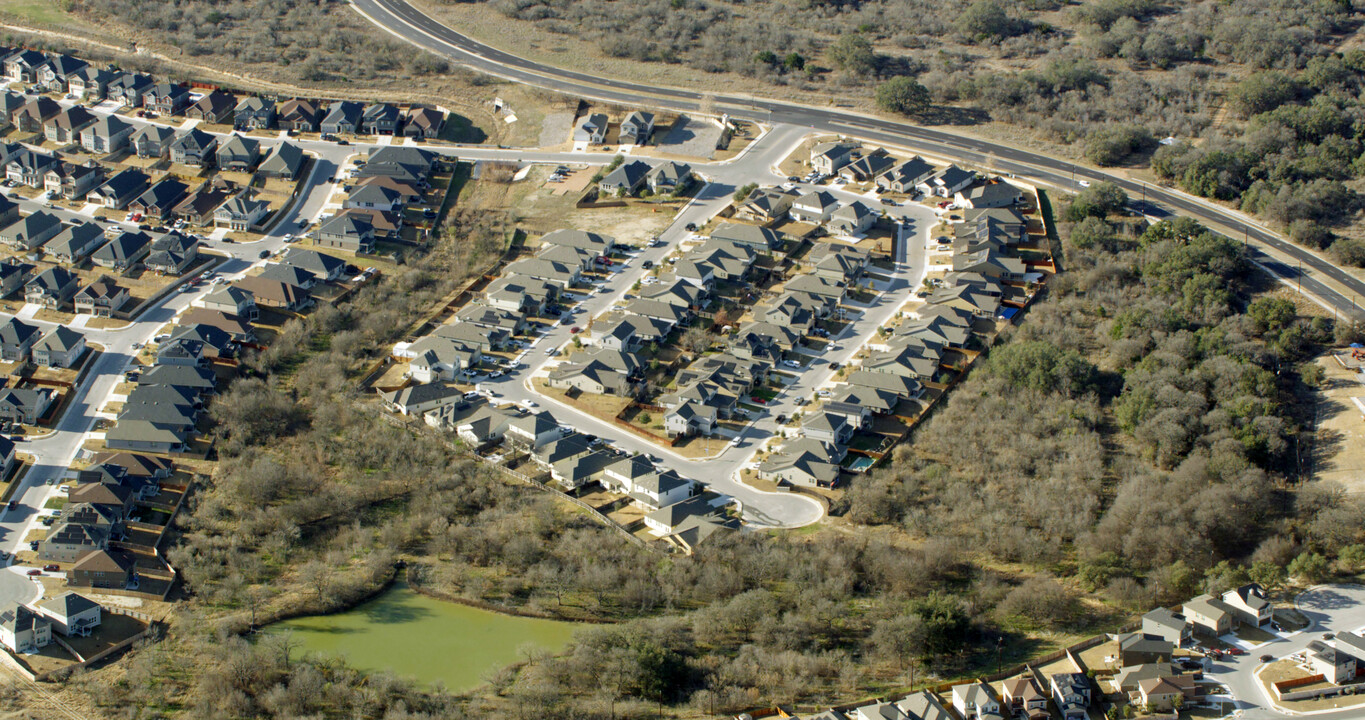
(689, 417)
(24, 405)
(669, 518)
(23, 66)
(868, 167)
(194, 148)
(761, 239)
(161, 199)
(60, 348)
(626, 179)
(805, 461)
(484, 315)
(486, 425)
(147, 436)
(533, 430)
(215, 107)
(233, 327)
(1167, 625)
(9, 211)
(254, 113)
(766, 205)
(906, 176)
(238, 153)
(923, 705)
(299, 115)
(326, 268)
(1165, 693)
(153, 141)
(241, 212)
(380, 119)
(1334, 664)
(54, 73)
(600, 372)
(828, 427)
(108, 134)
(577, 471)
(10, 103)
(1071, 693)
(816, 206)
(166, 98)
(947, 181)
(6, 456)
(24, 631)
(33, 116)
(975, 700)
(89, 84)
(669, 177)
(423, 122)
(101, 298)
(520, 294)
(1136, 648)
(828, 157)
(198, 207)
(115, 569)
(1023, 698)
(343, 116)
(66, 126)
(284, 163)
(52, 288)
(1248, 604)
(124, 187)
(72, 615)
(838, 262)
(273, 293)
(347, 232)
(27, 167)
(16, 338)
(231, 300)
(128, 88)
(200, 380)
(30, 232)
(72, 182)
(420, 398)
(374, 196)
(172, 253)
(593, 130)
(405, 163)
(853, 218)
(189, 353)
(636, 128)
(13, 275)
(591, 241)
(549, 271)
(996, 194)
(123, 252)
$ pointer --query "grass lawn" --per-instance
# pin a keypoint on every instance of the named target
(56, 503)
(39, 12)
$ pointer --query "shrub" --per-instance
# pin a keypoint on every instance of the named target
(903, 95)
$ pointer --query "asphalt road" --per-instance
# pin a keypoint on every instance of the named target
(1303, 269)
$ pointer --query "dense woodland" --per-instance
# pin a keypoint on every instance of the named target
(1132, 443)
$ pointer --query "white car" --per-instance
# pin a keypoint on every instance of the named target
(791, 363)
(1083, 183)
(736, 441)
(529, 404)
(289, 237)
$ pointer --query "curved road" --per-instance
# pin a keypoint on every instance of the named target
(1311, 273)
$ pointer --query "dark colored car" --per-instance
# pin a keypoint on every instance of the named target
(648, 264)
(52, 568)
(1267, 658)
(834, 366)
(691, 227)
(34, 572)
(12, 505)
(343, 142)
(781, 419)
(265, 254)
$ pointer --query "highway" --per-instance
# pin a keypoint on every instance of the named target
(1303, 269)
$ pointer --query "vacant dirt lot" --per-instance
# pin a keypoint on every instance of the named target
(1341, 426)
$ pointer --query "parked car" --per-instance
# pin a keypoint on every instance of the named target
(647, 264)
(691, 227)
(35, 572)
(52, 568)
(1267, 658)
(574, 330)
(791, 363)
(781, 419)
(736, 441)
(264, 254)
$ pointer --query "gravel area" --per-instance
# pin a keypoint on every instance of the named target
(556, 129)
(696, 138)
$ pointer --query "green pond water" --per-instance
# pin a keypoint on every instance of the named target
(415, 636)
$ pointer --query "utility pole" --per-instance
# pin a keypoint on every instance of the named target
(1300, 276)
